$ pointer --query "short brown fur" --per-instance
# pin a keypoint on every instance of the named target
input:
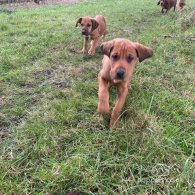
(93, 28)
(167, 5)
(118, 63)
(181, 4)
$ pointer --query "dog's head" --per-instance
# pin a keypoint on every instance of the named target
(161, 2)
(123, 55)
(87, 24)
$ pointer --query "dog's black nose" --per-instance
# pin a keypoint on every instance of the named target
(84, 32)
(120, 73)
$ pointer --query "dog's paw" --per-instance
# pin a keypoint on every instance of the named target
(91, 52)
(113, 123)
(103, 108)
(84, 51)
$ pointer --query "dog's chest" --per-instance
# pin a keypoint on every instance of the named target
(95, 34)
(105, 71)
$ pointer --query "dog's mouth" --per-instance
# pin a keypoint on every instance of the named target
(116, 81)
(85, 33)
(119, 75)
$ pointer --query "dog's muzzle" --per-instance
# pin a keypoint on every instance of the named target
(120, 73)
(85, 32)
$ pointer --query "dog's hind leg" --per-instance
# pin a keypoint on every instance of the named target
(175, 6)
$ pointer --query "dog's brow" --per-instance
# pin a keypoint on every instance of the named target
(125, 50)
(115, 53)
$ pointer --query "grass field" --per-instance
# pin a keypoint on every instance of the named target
(52, 140)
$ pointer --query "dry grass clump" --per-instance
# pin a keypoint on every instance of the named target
(187, 21)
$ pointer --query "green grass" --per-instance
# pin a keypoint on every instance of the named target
(52, 140)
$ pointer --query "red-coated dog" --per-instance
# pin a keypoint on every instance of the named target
(120, 56)
(93, 28)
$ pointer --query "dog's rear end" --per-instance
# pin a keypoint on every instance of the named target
(102, 25)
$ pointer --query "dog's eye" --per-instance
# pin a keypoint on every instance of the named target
(81, 24)
(115, 57)
(88, 25)
(129, 59)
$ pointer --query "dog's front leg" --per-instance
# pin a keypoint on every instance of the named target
(122, 94)
(93, 46)
(103, 94)
(85, 45)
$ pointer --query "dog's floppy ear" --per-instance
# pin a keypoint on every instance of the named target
(78, 21)
(107, 47)
(95, 24)
(143, 52)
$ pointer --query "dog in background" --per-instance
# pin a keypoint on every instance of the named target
(93, 28)
(118, 63)
(167, 5)
(181, 4)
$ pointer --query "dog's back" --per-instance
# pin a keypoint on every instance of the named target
(102, 24)
(168, 4)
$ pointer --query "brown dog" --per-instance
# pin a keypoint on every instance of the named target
(93, 28)
(167, 5)
(181, 4)
(117, 69)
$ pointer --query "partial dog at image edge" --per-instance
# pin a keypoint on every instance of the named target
(118, 63)
(167, 5)
(93, 28)
(181, 4)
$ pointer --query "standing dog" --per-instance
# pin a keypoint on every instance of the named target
(118, 63)
(93, 28)
(167, 5)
